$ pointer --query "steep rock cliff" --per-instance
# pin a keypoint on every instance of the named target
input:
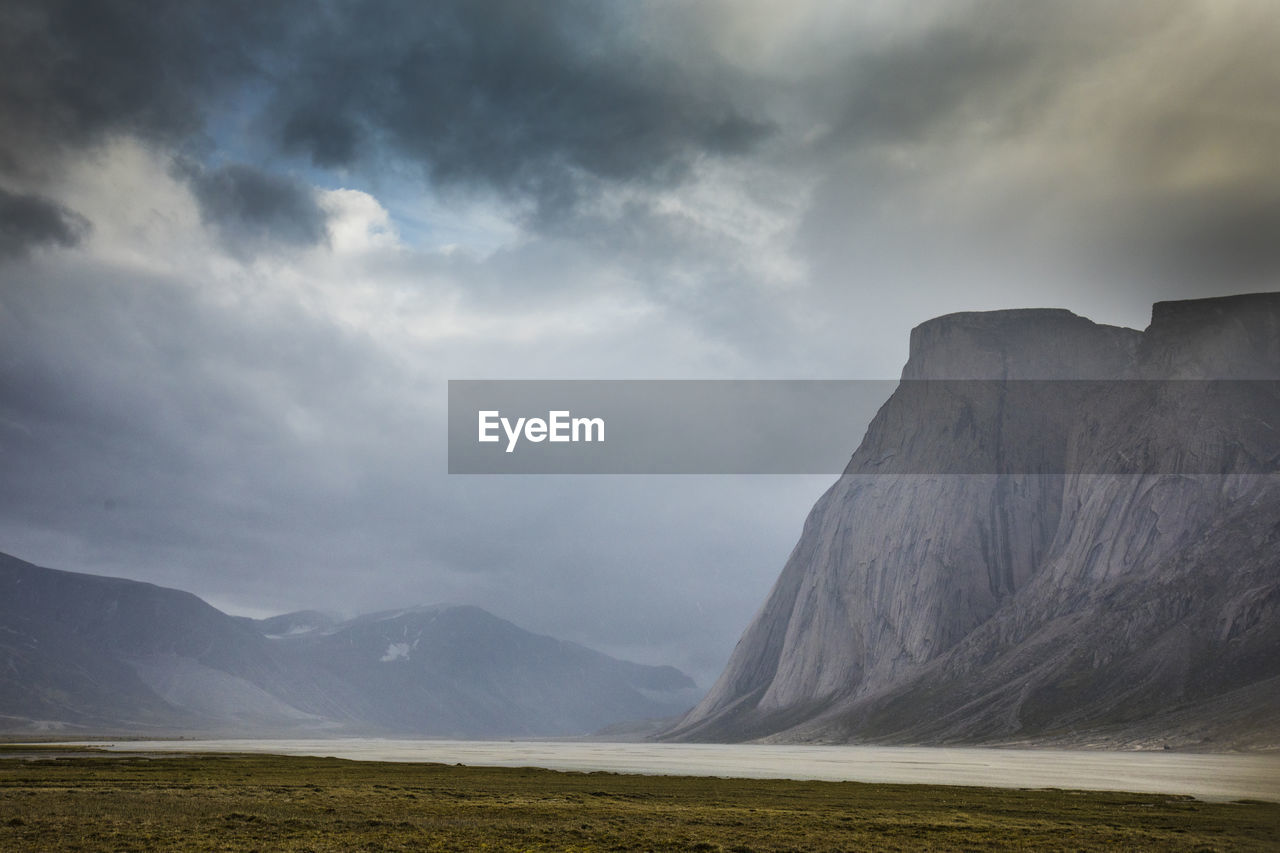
(1038, 559)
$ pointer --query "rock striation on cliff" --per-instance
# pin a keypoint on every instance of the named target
(1014, 554)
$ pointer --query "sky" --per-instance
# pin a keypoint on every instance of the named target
(244, 246)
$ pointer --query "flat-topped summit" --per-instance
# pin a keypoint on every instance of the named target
(1030, 343)
(1229, 337)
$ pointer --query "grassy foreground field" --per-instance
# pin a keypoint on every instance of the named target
(257, 802)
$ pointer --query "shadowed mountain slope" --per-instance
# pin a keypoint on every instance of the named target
(83, 652)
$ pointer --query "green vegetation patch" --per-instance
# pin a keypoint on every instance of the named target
(253, 802)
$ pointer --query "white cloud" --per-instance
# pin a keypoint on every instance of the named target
(357, 222)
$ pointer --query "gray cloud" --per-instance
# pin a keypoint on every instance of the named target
(1008, 152)
(270, 459)
(538, 101)
(28, 220)
(250, 207)
(553, 102)
(73, 72)
(327, 138)
(910, 92)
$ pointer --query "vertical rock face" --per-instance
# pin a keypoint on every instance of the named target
(1035, 558)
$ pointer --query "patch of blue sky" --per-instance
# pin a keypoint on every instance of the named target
(424, 217)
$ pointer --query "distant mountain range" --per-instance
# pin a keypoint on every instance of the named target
(83, 653)
(1091, 563)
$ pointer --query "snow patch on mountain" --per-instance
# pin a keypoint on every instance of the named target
(395, 651)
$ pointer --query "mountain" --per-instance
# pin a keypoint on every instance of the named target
(460, 671)
(89, 653)
(1053, 531)
(106, 652)
(292, 624)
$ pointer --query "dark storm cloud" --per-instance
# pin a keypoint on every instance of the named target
(73, 72)
(536, 100)
(328, 139)
(27, 221)
(549, 102)
(533, 99)
(250, 207)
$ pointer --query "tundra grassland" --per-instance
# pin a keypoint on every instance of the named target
(54, 799)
